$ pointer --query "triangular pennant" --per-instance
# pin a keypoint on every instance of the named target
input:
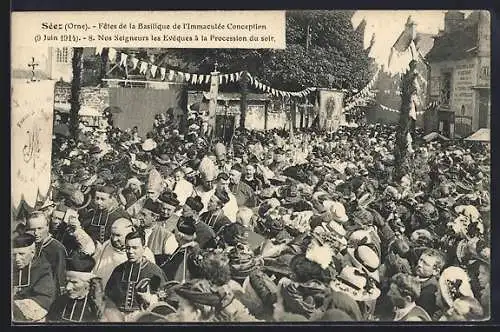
(207, 79)
(220, 79)
(153, 70)
(194, 78)
(238, 76)
(200, 78)
(268, 88)
(251, 79)
(98, 50)
(231, 77)
(144, 67)
(226, 78)
(180, 75)
(123, 59)
(163, 71)
(112, 55)
(256, 83)
(187, 76)
(171, 75)
(135, 62)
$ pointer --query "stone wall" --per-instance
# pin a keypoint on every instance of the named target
(90, 97)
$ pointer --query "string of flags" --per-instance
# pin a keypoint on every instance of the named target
(122, 58)
(431, 105)
(364, 94)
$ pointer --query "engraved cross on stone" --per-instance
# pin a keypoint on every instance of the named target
(33, 64)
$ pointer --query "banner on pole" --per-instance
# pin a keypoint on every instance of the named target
(31, 140)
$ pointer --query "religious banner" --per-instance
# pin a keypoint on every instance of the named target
(330, 109)
(31, 140)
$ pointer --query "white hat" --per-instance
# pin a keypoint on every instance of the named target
(453, 283)
(149, 145)
(352, 281)
(337, 210)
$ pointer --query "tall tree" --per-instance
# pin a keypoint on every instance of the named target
(76, 87)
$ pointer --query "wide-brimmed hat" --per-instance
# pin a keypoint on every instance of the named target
(157, 312)
(74, 197)
(454, 283)
(140, 168)
(149, 145)
(364, 257)
(162, 159)
(353, 282)
(337, 211)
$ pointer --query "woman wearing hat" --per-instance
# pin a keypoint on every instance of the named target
(210, 298)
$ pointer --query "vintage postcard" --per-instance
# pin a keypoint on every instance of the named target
(250, 166)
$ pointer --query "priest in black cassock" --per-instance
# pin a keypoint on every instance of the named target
(48, 247)
(34, 288)
(102, 212)
(176, 267)
(133, 285)
(83, 300)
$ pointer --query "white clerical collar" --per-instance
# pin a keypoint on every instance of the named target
(400, 313)
(189, 244)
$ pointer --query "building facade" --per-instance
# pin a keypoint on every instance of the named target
(460, 75)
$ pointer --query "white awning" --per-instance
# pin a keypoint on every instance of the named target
(482, 135)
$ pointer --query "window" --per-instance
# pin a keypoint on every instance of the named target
(62, 55)
(445, 93)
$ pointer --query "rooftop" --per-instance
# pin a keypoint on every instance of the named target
(455, 45)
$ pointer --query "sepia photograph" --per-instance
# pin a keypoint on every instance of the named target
(342, 177)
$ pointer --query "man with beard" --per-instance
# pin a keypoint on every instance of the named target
(428, 270)
(404, 290)
(33, 285)
(97, 221)
(113, 251)
(133, 284)
(245, 195)
(48, 247)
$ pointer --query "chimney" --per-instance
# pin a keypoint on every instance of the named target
(453, 20)
(484, 33)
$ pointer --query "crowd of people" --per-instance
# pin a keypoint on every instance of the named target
(175, 227)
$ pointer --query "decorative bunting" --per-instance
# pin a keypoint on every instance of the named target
(135, 62)
(194, 78)
(112, 55)
(207, 79)
(123, 59)
(200, 78)
(163, 71)
(171, 75)
(153, 70)
(144, 67)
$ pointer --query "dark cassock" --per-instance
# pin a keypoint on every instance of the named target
(33, 286)
(177, 265)
(84, 296)
(127, 277)
(215, 219)
(55, 253)
(97, 223)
